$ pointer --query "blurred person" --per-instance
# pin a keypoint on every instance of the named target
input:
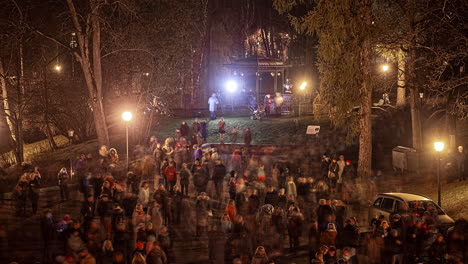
(204, 131)
(63, 178)
(350, 235)
(48, 231)
(295, 225)
(34, 184)
(247, 136)
(291, 188)
(170, 176)
(260, 256)
(203, 210)
(438, 249)
(330, 257)
(144, 195)
(213, 102)
(184, 176)
(219, 173)
(221, 129)
(461, 163)
(329, 236)
(184, 129)
(333, 176)
(107, 253)
(85, 257)
(314, 240)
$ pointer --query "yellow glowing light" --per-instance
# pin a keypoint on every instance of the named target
(58, 67)
(303, 85)
(439, 146)
(127, 116)
(385, 67)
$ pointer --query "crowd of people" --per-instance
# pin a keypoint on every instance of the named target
(248, 210)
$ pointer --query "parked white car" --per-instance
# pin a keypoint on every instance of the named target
(389, 204)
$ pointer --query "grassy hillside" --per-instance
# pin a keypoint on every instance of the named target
(283, 130)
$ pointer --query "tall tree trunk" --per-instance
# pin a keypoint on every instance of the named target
(415, 103)
(48, 130)
(19, 153)
(401, 90)
(6, 103)
(365, 122)
(92, 68)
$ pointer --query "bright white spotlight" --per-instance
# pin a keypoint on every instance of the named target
(127, 116)
(231, 86)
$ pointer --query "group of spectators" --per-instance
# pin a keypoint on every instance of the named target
(248, 210)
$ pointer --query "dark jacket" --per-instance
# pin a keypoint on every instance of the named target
(219, 172)
(350, 236)
(272, 198)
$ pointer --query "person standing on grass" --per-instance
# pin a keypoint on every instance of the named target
(221, 129)
(213, 102)
(204, 131)
(234, 135)
(247, 136)
(196, 126)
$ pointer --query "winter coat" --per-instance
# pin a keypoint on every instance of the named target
(328, 237)
(248, 137)
(291, 189)
(438, 250)
(184, 176)
(350, 236)
(272, 198)
(202, 207)
(184, 130)
(199, 178)
(88, 260)
(259, 259)
(219, 172)
(144, 196)
(179, 156)
(156, 217)
(349, 174)
(196, 127)
(104, 208)
(204, 130)
(156, 256)
(74, 243)
(333, 171)
(295, 223)
(231, 211)
(170, 173)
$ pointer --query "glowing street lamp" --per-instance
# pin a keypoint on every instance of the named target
(303, 85)
(58, 68)
(439, 147)
(127, 117)
(385, 67)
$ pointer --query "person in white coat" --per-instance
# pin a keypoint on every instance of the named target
(213, 102)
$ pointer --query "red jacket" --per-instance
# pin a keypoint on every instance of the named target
(170, 173)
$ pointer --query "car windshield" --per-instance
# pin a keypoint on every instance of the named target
(422, 206)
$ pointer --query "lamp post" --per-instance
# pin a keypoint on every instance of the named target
(302, 87)
(127, 116)
(439, 147)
